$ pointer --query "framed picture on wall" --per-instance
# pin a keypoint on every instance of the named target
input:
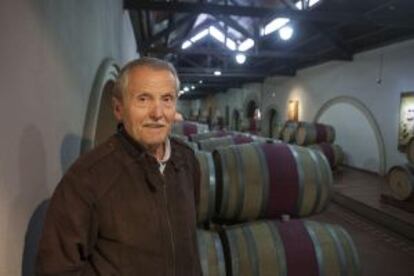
(406, 127)
(293, 110)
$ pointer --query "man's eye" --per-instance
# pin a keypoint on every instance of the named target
(142, 98)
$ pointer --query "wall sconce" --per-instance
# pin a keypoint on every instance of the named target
(293, 110)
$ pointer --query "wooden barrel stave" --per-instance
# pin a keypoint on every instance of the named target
(206, 204)
(211, 253)
(290, 248)
(268, 180)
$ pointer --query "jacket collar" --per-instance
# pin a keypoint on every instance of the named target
(139, 152)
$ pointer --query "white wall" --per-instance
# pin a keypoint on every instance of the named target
(314, 86)
(49, 51)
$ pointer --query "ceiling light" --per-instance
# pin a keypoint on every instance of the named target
(186, 89)
(275, 24)
(246, 45)
(217, 73)
(200, 81)
(240, 58)
(309, 4)
(199, 36)
(231, 44)
(214, 32)
(286, 32)
(192, 87)
(186, 44)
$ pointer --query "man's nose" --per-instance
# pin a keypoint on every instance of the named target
(156, 110)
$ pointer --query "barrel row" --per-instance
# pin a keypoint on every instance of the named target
(262, 180)
(265, 248)
(305, 133)
(187, 128)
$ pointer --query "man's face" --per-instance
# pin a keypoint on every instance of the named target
(148, 106)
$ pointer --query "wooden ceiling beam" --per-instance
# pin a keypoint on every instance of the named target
(253, 11)
(225, 52)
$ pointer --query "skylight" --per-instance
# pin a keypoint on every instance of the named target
(246, 45)
(280, 22)
(231, 44)
(199, 36)
(275, 25)
(186, 44)
(214, 32)
(310, 4)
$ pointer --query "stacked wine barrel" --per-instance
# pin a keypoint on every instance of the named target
(271, 247)
(187, 128)
(318, 136)
(245, 190)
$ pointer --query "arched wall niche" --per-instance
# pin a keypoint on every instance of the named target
(365, 113)
(235, 120)
(99, 111)
(270, 119)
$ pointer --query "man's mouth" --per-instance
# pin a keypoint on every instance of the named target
(154, 125)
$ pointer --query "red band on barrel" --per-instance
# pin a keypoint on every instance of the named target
(299, 249)
(242, 139)
(328, 151)
(189, 128)
(321, 133)
(283, 180)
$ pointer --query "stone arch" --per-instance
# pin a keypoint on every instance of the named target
(270, 116)
(252, 97)
(371, 121)
(236, 120)
(97, 107)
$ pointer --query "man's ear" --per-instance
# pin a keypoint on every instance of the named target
(118, 108)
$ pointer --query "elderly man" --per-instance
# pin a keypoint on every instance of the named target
(128, 206)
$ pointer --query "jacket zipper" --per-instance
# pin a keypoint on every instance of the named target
(169, 226)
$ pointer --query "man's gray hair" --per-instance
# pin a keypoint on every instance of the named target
(121, 83)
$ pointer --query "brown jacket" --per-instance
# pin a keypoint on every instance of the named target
(114, 213)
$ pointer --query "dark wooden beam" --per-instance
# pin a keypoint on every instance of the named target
(250, 11)
(235, 25)
(167, 30)
(226, 52)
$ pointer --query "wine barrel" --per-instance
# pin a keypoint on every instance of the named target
(187, 128)
(207, 190)
(207, 135)
(293, 248)
(214, 143)
(210, 251)
(270, 179)
(289, 131)
(401, 181)
(184, 139)
(332, 152)
(309, 133)
(277, 130)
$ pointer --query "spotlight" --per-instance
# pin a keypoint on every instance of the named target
(286, 32)
(217, 73)
(240, 58)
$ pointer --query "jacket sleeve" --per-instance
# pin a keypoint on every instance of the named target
(69, 231)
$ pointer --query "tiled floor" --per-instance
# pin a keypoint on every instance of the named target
(382, 251)
(367, 188)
